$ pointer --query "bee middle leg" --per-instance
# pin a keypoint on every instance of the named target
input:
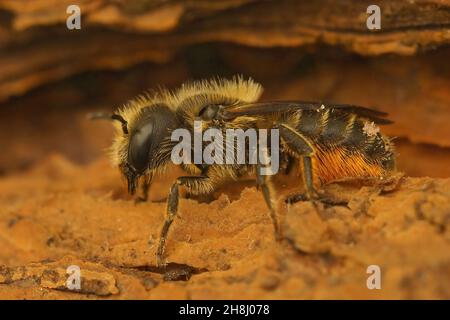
(189, 182)
(264, 183)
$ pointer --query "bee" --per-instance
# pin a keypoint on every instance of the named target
(327, 141)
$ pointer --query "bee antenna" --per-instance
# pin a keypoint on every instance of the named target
(122, 121)
(108, 116)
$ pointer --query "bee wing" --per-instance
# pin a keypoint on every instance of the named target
(261, 108)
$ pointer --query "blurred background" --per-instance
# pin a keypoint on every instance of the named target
(51, 77)
(62, 204)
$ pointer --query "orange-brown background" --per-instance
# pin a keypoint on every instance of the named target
(62, 204)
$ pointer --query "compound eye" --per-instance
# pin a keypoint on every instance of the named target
(209, 112)
(139, 148)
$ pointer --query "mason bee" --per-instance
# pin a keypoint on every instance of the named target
(328, 141)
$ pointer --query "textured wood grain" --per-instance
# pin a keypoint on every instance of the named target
(36, 47)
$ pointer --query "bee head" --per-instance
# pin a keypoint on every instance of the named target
(147, 140)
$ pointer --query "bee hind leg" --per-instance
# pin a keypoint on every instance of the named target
(303, 149)
(329, 201)
(296, 198)
(311, 194)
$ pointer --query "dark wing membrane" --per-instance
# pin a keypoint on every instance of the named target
(261, 108)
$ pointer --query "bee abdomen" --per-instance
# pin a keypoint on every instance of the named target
(356, 138)
(312, 123)
(375, 147)
(364, 137)
(336, 128)
(380, 151)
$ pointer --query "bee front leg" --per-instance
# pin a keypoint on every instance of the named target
(171, 212)
(145, 188)
(191, 183)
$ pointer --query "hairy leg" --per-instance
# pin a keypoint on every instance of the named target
(264, 183)
(190, 183)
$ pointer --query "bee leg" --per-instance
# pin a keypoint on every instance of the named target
(144, 196)
(308, 176)
(325, 200)
(190, 182)
(145, 188)
(311, 193)
(302, 148)
(290, 164)
(172, 208)
(296, 198)
(265, 185)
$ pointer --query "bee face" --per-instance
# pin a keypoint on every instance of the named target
(147, 136)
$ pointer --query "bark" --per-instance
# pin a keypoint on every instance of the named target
(37, 48)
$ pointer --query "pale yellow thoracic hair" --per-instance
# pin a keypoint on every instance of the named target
(237, 88)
